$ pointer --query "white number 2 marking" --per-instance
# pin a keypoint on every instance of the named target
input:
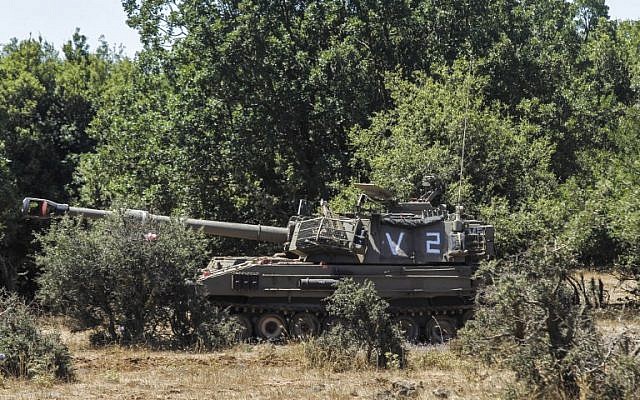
(435, 241)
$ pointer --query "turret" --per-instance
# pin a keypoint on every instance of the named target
(403, 233)
(45, 209)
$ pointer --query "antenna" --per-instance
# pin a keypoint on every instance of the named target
(464, 135)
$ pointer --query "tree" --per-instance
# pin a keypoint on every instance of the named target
(618, 183)
(46, 105)
(7, 202)
(534, 318)
(129, 280)
(588, 13)
(260, 96)
(138, 158)
(424, 134)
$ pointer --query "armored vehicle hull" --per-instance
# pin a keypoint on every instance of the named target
(276, 296)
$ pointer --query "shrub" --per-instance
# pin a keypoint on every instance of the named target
(530, 319)
(362, 324)
(26, 352)
(128, 279)
(215, 328)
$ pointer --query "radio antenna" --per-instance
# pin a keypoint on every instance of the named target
(464, 133)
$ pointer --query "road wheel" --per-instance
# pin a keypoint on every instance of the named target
(271, 327)
(245, 331)
(468, 315)
(329, 322)
(409, 328)
(304, 325)
(440, 329)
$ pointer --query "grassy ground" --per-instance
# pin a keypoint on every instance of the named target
(251, 372)
(270, 372)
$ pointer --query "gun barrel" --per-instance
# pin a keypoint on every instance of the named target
(263, 233)
(45, 209)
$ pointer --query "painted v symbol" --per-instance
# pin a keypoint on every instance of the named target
(394, 246)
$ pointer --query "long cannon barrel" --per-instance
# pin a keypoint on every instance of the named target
(45, 209)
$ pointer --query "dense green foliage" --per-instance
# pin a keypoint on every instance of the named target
(134, 282)
(363, 329)
(25, 351)
(7, 191)
(423, 134)
(46, 104)
(236, 109)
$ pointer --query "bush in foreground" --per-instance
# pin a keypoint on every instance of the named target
(128, 280)
(25, 351)
(364, 332)
(531, 320)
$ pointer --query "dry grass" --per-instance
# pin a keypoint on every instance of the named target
(616, 289)
(248, 372)
(616, 319)
(614, 322)
(267, 372)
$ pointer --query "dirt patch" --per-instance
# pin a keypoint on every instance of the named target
(262, 371)
(256, 372)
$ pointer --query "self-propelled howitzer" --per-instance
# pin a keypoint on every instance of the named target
(420, 258)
